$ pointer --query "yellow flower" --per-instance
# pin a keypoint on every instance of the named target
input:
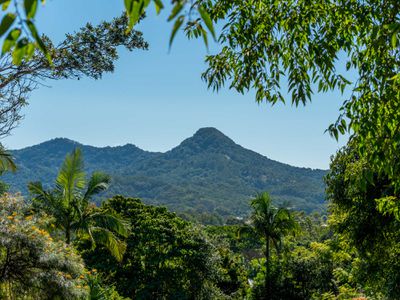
(28, 218)
(10, 217)
(14, 213)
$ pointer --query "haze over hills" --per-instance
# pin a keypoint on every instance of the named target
(207, 172)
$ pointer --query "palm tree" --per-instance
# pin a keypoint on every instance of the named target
(273, 224)
(6, 161)
(70, 204)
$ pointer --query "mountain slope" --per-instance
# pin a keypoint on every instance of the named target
(207, 172)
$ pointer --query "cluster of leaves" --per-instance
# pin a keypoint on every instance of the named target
(31, 262)
(266, 43)
(315, 263)
(22, 39)
(90, 52)
(70, 204)
(166, 257)
(365, 214)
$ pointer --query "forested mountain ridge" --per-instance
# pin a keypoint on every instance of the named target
(207, 172)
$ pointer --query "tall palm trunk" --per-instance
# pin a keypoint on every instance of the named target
(267, 268)
(68, 234)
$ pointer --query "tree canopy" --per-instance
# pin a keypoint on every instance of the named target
(70, 204)
(89, 52)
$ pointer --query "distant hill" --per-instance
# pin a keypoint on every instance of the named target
(207, 172)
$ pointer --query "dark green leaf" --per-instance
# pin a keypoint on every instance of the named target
(39, 41)
(175, 11)
(207, 20)
(30, 8)
(6, 23)
(159, 5)
(205, 38)
(178, 23)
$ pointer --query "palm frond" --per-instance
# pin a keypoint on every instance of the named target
(6, 161)
(98, 182)
(71, 176)
(106, 238)
(41, 197)
(110, 221)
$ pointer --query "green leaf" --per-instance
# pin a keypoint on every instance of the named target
(10, 40)
(128, 6)
(5, 4)
(394, 40)
(207, 20)
(205, 38)
(175, 11)
(30, 49)
(159, 5)
(19, 51)
(178, 23)
(6, 23)
(39, 41)
(343, 122)
(137, 8)
(30, 8)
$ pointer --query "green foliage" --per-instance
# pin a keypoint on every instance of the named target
(272, 224)
(166, 257)
(90, 52)
(23, 38)
(70, 204)
(362, 214)
(32, 264)
(6, 161)
(100, 291)
(266, 43)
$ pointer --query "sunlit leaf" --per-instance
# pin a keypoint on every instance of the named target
(159, 5)
(10, 40)
(19, 51)
(5, 4)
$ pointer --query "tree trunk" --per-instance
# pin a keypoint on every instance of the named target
(267, 269)
(68, 234)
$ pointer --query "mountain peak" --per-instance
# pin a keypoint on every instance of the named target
(205, 139)
(209, 132)
(56, 143)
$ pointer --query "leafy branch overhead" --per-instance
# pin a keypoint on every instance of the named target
(18, 27)
(195, 17)
(89, 52)
(22, 37)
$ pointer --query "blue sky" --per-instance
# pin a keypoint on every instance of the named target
(156, 98)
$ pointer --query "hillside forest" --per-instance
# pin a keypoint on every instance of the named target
(209, 219)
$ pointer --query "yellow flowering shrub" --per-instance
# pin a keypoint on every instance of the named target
(34, 264)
